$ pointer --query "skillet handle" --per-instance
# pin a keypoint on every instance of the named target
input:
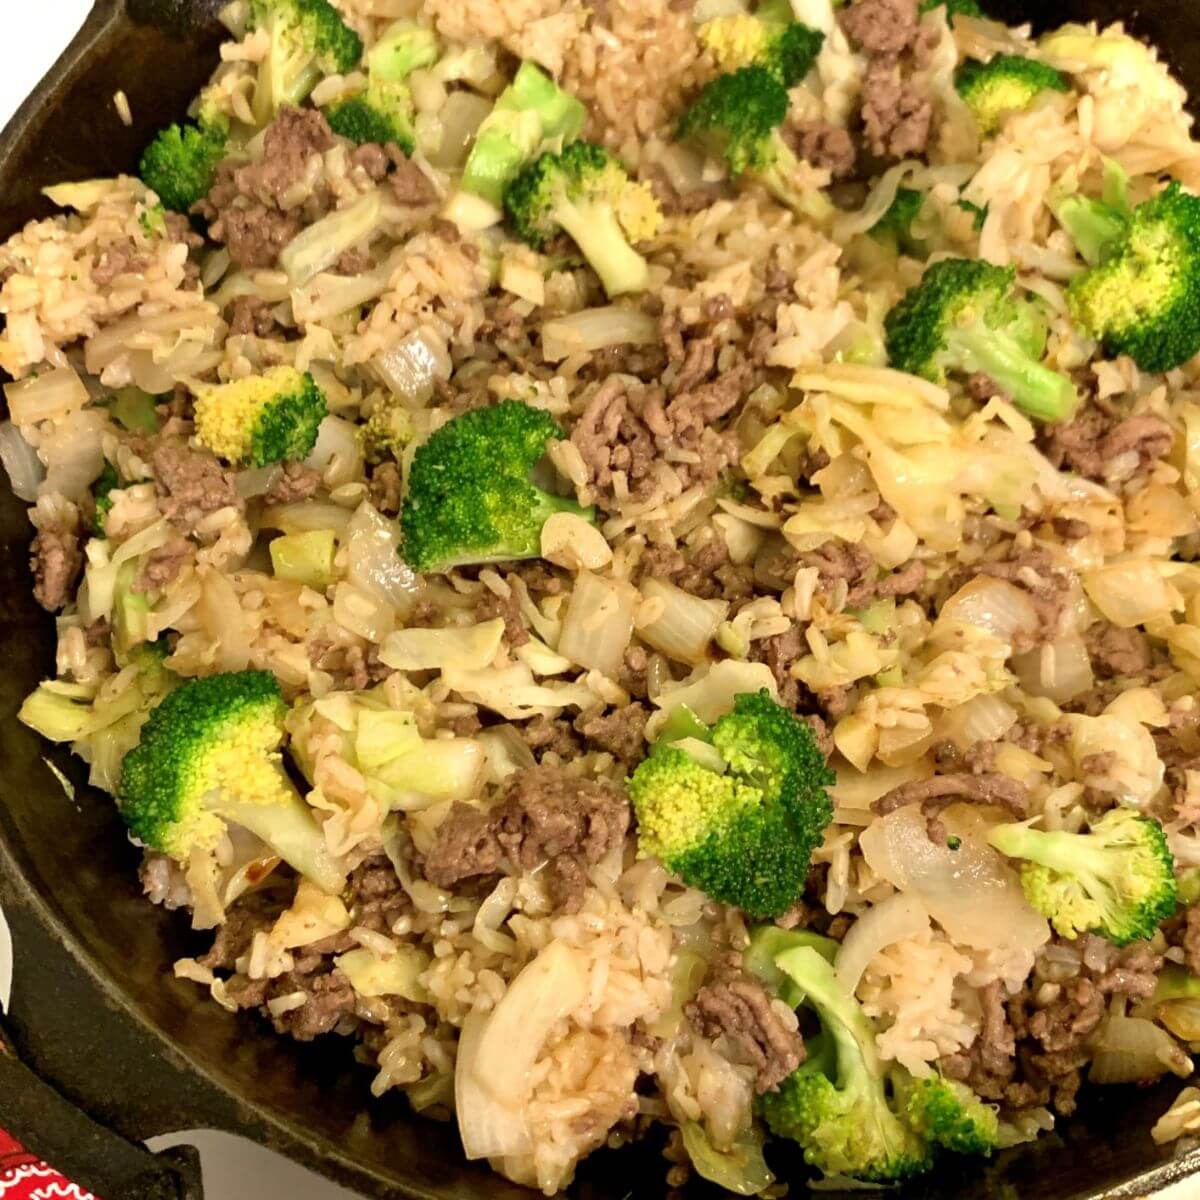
(85, 1152)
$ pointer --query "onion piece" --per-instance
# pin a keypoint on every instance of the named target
(1059, 671)
(1135, 1050)
(596, 328)
(741, 1169)
(21, 463)
(709, 692)
(397, 975)
(545, 992)
(489, 1128)
(598, 624)
(45, 396)
(1131, 593)
(337, 452)
(409, 368)
(899, 917)
(362, 613)
(971, 892)
(993, 605)
(220, 612)
(373, 559)
(305, 516)
(686, 626)
(256, 481)
(984, 718)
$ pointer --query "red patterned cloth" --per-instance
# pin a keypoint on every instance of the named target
(23, 1176)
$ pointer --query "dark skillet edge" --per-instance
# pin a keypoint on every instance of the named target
(78, 1028)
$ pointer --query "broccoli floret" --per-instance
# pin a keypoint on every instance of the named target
(470, 499)
(964, 316)
(585, 192)
(261, 419)
(954, 8)
(895, 226)
(978, 213)
(836, 1103)
(1141, 296)
(1117, 880)
(746, 836)
(387, 431)
(179, 164)
(102, 490)
(947, 1114)
(308, 39)
(531, 111)
(1005, 84)
(210, 754)
(383, 111)
(737, 117)
(770, 38)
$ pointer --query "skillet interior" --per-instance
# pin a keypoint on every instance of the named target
(94, 1008)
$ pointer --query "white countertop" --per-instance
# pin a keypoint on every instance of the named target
(233, 1168)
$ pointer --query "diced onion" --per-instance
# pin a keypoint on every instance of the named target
(1131, 593)
(46, 396)
(373, 561)
(984, 718)
(362, 613)
(993, 605)
(21, 463)
(598, 625)
(461, 116)
(327, 295)
(895, 919)
(409, 368)
(1135, 1050)
(256, 481)
(1059, 671)
(596, 328)
(1181, 1017)
(489, 1127)
(686, 626)
(337, 452)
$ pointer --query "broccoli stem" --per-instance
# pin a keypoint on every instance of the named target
(290, 830)
(1036, 389)
(1094, 227)
(594, 228)
(1071, 854)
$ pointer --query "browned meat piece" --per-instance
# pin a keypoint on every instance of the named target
(545, 817)
(409, 183)
(550, 735)
(1070, 529)
(292, 138)
(509, 608)
(620, 732)
(234, 936)
(162, 566)
(255, 234)
(372, 158)
(121, 258)
(905, 581)
(942, 790)
(179, 229)
(1117, 652)
(821, 734)
(97, 633)
(881, 28)
(294, 483)
(823, 144)
(897, 115)
(1091, 442)
(611, 438)
(982, 387)
(352, 262)
(676, 203)
(1042, 577)
(191, 484)
(56, 559)
(1064, 1022)
(1184, 930)
(837, 561)
(386, 488)
(375, 896)
(329, 997)
(779, 653)
(1133, 973)
(252, 315)
(741, 1010)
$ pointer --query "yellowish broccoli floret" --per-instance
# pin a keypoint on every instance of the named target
(261, 419)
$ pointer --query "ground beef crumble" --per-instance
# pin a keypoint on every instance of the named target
(56, 560)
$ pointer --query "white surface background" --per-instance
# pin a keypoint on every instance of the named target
(233, 1168)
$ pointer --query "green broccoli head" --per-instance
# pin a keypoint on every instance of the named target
(531, 111)
(737, 117)
(469, 497)
(585, 192)
(208, 755)
(1003, 85)
(746, 836)
(261, 419)
(836, 1103)
(102, 490)
(179, 164)
(947, 1114)
(308, 39)
(1117, 880)
(770, 38)
(965, 316)
(1141, 296)
(895, 226)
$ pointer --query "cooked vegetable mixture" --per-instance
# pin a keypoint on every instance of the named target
(636, 563)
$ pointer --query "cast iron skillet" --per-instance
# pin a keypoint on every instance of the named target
(112, 1049)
